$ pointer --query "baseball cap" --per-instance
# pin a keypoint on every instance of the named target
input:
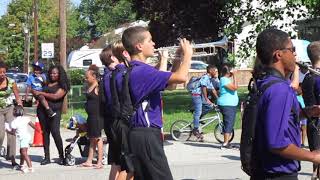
(38, 64)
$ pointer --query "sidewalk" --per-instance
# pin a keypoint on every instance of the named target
(189, 160)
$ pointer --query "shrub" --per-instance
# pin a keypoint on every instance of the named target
(76, 76)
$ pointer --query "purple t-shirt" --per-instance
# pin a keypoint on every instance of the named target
(107, 76)
(145, 83)
(277, 126)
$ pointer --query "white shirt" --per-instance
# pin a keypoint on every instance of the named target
(20, 124)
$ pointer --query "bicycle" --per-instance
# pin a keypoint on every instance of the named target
(181, 130)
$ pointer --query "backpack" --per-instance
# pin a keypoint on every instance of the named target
(193, 83)
(249, 119)
(123, 109)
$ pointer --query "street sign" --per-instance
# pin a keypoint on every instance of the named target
(47, 50)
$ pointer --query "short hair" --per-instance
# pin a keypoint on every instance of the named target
(131, 37)
(117, 51)
(211, 66)
(313, 51)
(268, 41)
(105, 55)
(3, 65)
(94, 71)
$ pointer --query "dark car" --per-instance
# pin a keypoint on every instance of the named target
(21, 80)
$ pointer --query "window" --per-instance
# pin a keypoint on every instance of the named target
(87, 62)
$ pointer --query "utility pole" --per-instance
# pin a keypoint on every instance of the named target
(63, 31)
(63, 44)
(35, 15)
(26, 48)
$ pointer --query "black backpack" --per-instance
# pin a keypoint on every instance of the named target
(249, 119)
(123, 109)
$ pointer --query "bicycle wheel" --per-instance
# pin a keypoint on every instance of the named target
(180, 130)
(218, 134)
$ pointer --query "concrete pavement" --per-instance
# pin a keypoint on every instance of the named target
(188, 161)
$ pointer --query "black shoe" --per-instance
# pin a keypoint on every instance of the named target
(197, 134)
(45, 161)
(62, 161)
(51, 113)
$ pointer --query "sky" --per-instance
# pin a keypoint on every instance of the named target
(4, 4)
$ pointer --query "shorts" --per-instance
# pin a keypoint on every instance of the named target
(118, 143)
(113, 152)
(229, 117)
(150, 161)
(303, 122)
(25, 142)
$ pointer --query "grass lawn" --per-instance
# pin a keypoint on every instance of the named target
(176, 106)
(178, 102)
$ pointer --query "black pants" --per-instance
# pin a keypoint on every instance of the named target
(50, 125)
(150, 161)
(293, 176)
(313, 134)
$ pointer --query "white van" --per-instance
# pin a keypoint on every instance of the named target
(84, 58)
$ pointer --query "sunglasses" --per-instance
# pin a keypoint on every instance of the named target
(292, 50)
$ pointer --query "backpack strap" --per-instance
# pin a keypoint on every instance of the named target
(267, 85)
(114, 94)
(128, 107)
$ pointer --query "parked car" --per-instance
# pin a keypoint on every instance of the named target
(198, 65)
(21, 80)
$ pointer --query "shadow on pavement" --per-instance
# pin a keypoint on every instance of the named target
(305, 174)
(199, 144)
(34, 158)
(237, 158)
(5, 164)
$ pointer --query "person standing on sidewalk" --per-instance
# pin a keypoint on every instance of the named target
(146, 83)
(276, 146)
(228, 102)
(311, 93)
(95, 119)
(113, 57)
(7, 87)
(54, 93)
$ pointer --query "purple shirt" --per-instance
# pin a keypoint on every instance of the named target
(277, 126)
(146, 83)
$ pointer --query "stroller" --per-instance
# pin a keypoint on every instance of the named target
(78, 123)
(3, 151)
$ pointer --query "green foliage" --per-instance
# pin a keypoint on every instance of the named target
(20, 12)
(101, 16)
(199, 20)
(76, 76)
(267, 14)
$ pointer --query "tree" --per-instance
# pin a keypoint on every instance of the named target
(102, 16)
(198, 20)
(258, 15)
(20, 14)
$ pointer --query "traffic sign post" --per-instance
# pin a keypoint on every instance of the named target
(47, 50)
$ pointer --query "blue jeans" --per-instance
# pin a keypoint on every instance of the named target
(229, 116)
(200, 109)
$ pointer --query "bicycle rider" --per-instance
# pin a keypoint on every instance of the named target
(201, 99)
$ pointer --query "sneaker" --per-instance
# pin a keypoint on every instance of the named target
(17, 167)
(227, 146)
(51, 113)
(61, 161)
(197, 134)
(25, 169)
(45, 161)
(31, 170)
